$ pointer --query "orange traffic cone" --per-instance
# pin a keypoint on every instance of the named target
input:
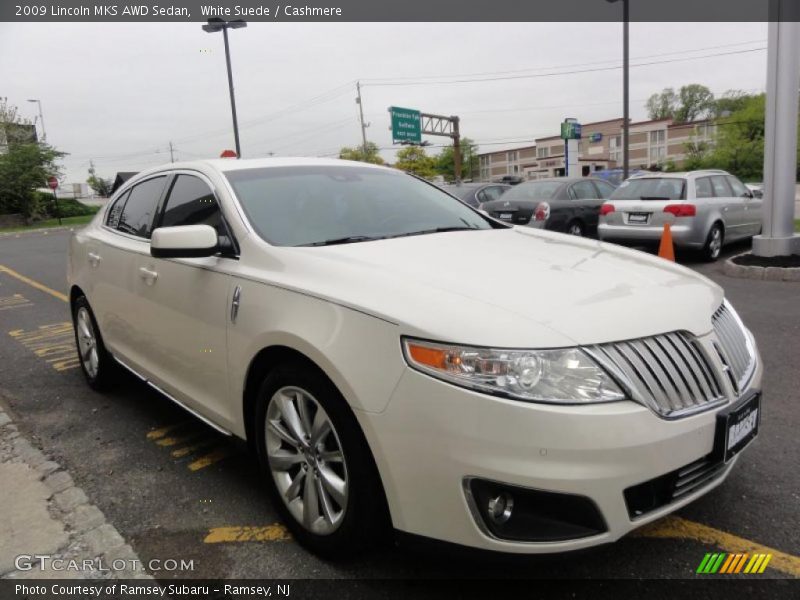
(665, 248)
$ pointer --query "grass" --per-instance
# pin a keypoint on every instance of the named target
(66, 221)
(797, 225)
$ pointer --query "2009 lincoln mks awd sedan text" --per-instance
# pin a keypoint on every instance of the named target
(398, 359)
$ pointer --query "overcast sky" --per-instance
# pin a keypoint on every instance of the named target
(118, 93)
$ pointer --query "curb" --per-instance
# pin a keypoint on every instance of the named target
(731, 269)
(43, 230)
(89, 535)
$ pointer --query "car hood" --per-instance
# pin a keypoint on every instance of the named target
(516, 287)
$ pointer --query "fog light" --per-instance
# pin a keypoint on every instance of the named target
(500, 507)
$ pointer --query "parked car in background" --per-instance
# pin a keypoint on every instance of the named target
(705, 210)
(568, 205)
(475, 193)
(756, 188)
(615, 176)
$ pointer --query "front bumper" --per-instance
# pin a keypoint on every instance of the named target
(683, 235)
(434, 436)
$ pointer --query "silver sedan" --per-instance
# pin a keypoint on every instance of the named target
(705, 210)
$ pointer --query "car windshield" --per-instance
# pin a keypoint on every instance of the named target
(650, 188)
(459, 191)
(324, 205)
(533, 190)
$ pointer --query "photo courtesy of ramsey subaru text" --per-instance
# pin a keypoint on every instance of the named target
(399, 360)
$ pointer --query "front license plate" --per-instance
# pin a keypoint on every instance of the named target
(737, 427)
(506, 215)
(638, 217)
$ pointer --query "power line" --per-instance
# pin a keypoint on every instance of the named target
(566, 66)
(540, 75)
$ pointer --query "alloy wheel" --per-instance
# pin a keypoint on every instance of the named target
(715, 243)
(306, 460)
(87, 342)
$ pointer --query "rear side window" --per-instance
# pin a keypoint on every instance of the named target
(737, 186)
(650, 188)
(192, 202)
(112, 219)
(605, 189)
(492, 193)
(137, 216)
(584, 190)
(721, 187)
(702, 188)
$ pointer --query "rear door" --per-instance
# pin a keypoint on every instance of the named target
(584, 205)
(185, 303)
(115, 253)
(731, 208)
(751, 206)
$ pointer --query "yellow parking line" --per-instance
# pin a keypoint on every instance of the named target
(175, 440)
(162, 431)
(676, 527)
(34, 284)
(14, 301)
(212, 457)
(54, 343)
(270, 533)
(186, 450)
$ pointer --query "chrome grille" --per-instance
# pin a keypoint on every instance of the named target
(733, 346)
(669, 373)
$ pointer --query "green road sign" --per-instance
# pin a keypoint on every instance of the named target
(406, 125)
(570, 130)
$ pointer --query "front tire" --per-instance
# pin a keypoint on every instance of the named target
(318, 467)
(97, 364)
(714, 241)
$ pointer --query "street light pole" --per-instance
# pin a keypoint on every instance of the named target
(41, 117)
(214, 25)
(625, 86)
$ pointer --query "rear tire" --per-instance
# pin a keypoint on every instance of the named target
(576, 228)
(714, 241)
(324, 485)
(97, 364)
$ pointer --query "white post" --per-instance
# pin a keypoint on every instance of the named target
(780, 143)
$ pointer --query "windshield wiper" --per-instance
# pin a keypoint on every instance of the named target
(350, 239)
(434, 230)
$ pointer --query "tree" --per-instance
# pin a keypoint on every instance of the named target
(692, 101)
(730, 102)
(662, 105)
(695, 101)
(739, 147)
(445, 161)
(24, 166)
(414, 160)
(368, 154)
(101, 187)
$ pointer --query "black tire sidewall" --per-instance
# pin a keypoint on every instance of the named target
(577, 224)
(364, 517)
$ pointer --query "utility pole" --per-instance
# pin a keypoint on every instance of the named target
(171, 155)
(456, 149)
(625, 89)
(41, 117)
(361, 116)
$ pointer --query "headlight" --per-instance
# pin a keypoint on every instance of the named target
(563, 376)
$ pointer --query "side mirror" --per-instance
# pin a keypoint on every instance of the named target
(184, 241)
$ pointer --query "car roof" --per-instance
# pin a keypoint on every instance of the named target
(679, 174)
(234, 164)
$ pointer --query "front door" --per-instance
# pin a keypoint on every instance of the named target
(185, 307)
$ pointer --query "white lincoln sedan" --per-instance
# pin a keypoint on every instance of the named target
(397, 359)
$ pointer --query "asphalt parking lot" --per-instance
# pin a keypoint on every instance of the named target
(176, 489)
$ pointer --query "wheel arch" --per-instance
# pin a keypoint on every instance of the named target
(75, 292)
(269, 358)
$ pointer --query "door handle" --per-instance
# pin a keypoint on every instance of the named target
(94, 258)
(148, 275)
(235, 302)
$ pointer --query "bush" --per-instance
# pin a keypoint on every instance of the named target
(67, 207)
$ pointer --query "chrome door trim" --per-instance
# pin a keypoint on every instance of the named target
(174, 399)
